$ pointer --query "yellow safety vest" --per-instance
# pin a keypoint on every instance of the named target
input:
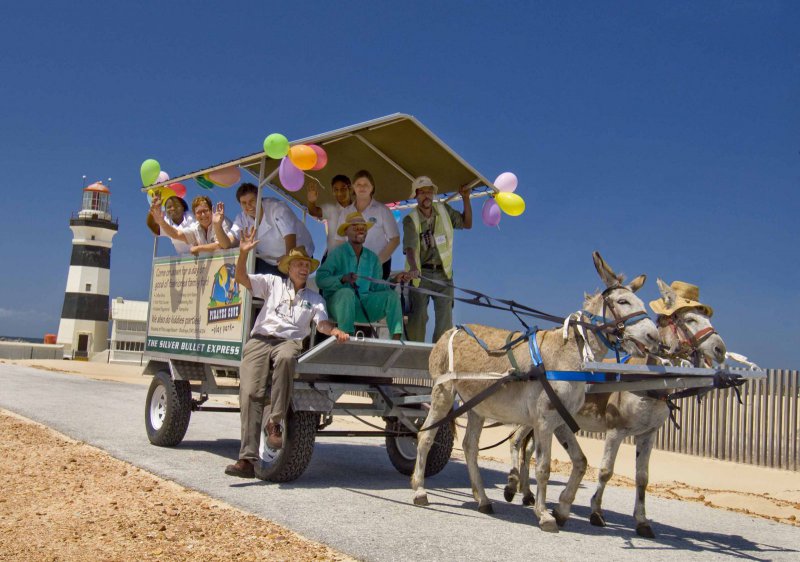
(442, 235)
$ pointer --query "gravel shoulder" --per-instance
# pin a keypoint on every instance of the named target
(65, 500)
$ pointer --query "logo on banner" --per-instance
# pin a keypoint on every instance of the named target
(225, 303)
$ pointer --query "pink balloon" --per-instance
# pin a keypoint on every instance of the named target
(506, 182)
(225, 177)
(322, 157)
(178, 188)
(491, 213)
(290, 175)
(162, 177)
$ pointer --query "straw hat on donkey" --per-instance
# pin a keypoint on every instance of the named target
(684, 295)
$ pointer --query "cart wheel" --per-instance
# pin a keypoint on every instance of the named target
(287, 464)
(403, 450)
(167, 410)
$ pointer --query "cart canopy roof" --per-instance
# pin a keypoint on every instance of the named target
(395, 149)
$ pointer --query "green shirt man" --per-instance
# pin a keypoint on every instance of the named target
(342, 281)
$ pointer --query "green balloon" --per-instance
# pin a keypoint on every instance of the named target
(204, 182)
(276, 146)
(150, 170)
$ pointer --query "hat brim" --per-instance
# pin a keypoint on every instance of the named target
(345, 225)
(414, 190)
(660, 308)
(283, 264)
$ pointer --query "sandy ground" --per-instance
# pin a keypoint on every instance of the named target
(186, 524)
(99, 508)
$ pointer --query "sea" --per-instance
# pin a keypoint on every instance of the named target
(21, 339)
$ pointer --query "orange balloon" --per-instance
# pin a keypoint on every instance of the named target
(303, 156)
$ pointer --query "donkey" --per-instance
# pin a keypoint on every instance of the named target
(685, 334)
(526, 402)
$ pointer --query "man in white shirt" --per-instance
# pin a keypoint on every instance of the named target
(279, 230)
(330, 212)
(276, 340)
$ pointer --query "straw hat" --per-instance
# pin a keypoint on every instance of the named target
(686, 296)
(419, 183)
(353, 218)
(297, 253)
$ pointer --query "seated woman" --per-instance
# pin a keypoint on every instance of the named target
(384, 238)
(279, 230)
(210, 232)
(177, 216)
(329, 212)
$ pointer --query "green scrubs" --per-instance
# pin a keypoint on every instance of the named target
(378, 300)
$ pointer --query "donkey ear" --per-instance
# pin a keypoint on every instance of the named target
(607, 274)
(637, 283)
(667, 294)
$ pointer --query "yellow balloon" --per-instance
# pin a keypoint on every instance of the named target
(303, 156)
(164, 192)
(510, 203)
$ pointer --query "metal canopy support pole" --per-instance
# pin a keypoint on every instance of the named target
(251, 259)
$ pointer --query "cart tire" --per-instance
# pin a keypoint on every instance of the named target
(289, 463)
(167, 410)
(403, 450)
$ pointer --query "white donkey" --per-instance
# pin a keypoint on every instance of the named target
(526, 403)
(686, 334)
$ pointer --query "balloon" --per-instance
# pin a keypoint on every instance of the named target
(165, 193)
(178, 188)
(291, 176)
(322, 157)
(396, 214)
(303, 156)
(276, 146)
(162, 177)
(225, 177)
(506, 182)
(490, 213)
(149, 171)
(204, 182)
(510, 203)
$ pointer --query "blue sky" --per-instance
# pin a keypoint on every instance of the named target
(664, 135)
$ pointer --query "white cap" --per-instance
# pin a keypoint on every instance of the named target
(420, 182)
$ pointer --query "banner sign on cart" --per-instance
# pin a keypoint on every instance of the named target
(196, 308)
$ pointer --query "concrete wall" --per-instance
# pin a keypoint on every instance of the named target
(23, 350)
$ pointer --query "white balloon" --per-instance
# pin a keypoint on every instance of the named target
(506, 182)
(162, 177)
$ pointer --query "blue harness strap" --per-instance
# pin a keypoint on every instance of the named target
(572, 376)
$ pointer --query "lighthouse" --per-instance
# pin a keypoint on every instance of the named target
(83, 329)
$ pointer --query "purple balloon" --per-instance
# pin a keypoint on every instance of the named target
(491, 213)
(506, 182)
(291, 176)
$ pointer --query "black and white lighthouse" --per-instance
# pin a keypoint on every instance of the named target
(83, 329)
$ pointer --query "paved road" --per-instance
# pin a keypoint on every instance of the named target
(352, 499)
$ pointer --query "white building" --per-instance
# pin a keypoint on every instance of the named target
(128, 330)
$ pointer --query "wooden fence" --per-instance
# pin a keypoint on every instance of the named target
(764, 430)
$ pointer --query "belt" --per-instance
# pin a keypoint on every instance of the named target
(267, 339)
(433, 267)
